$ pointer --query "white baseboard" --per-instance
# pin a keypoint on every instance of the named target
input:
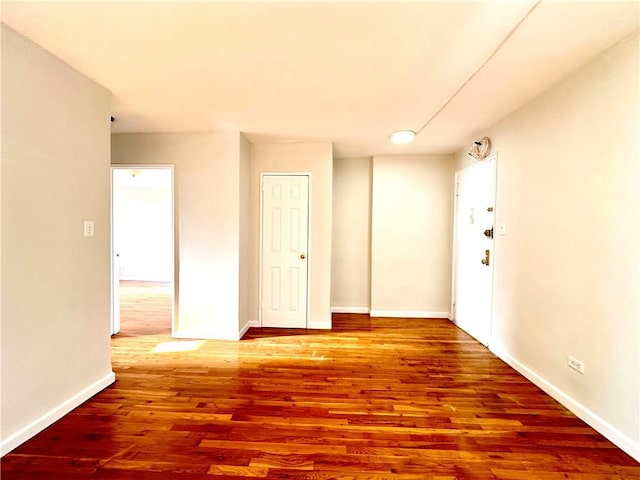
(624, 442)
(312, 325)
(55, 414)
(248, 325)
(320, 325)
(215, 334)
(205, 335)
(350, 310)
(408, 314)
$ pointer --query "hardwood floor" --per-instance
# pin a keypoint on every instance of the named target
(373, 399)
(145, 308)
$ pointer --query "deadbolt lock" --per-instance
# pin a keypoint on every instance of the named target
(303, 256)
(485, 260)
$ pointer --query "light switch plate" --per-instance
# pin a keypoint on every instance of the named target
(502, 229)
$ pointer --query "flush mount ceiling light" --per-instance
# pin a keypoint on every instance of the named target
(402, 136)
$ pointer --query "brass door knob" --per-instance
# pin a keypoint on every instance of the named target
(485, 260)
(303, 256)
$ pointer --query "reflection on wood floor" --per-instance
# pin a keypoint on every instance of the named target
(374, 399)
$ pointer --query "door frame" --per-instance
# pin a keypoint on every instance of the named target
(493, 158)
(174, 260)
(260, 240)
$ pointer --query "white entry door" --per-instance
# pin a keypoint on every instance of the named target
(285, 225)
(473, 248)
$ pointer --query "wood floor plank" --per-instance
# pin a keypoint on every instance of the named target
(372, 399)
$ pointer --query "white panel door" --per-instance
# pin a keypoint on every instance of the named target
(473, 249)
(285, 222)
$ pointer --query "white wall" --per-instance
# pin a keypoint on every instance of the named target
(351, 239)
(411, 236)
(245, 235)
(207, 197)
(567, 274)
(317, 159)
(55, 281)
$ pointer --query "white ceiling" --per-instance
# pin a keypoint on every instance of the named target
(345, 72)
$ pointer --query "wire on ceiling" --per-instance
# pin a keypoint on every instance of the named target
(484, 64)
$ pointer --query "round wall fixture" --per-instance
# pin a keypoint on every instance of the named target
(480, 148)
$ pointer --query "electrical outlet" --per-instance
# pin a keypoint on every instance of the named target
(88, 228)
(576, 364)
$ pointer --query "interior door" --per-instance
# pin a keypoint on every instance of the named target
(285, 224)
(473, 248)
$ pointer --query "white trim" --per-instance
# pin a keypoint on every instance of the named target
(203, 334)
(53, 415)
(247, 326)
(320, 325)
(310, 257)
(114, 293)
(408, 314)
(350, 310)
(624, 442)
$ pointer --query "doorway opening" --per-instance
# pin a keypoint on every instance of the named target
(142, 250)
